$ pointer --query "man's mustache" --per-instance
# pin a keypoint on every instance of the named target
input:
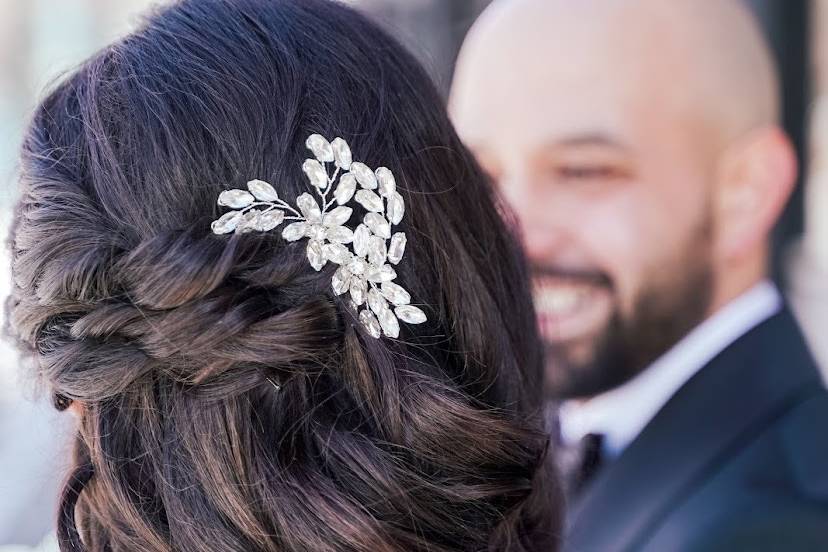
(581, 276)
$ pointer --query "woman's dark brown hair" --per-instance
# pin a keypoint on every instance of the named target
(170, 336)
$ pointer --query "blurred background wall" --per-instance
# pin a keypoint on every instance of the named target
(806, 260)
(39, 39)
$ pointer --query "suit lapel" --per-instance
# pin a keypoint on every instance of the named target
(736, 395)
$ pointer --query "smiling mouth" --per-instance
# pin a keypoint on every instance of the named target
(570, 308)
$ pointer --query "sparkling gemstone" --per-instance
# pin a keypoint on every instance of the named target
(294, 231)
(397, 247)
(357, 266)
(340, 234)
(379, 274)
(337, 216)
(385, 179)
(365, 176)
(226, 223)
(341, 281)
(345, 189)
(320, 147)
(236, 199)
(362, 235)
(359, 288)
(262, 190)
(317, 174)
(316, 232)
(309, 207)
(377, 251)
(270, 219)
(370, 322)
(378, 225)
(337, 253)
(396, 208)
(342, 153)
(389, 323)
(369, 200)
(410, 314)
(376, 302)
(395, 293)
(316, 255)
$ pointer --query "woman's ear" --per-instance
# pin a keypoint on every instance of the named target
(77, 408)
(755, 179)
(62, 402)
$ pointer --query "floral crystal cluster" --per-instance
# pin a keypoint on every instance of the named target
(366, 255)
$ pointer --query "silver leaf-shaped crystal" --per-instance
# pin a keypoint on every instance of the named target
(362, 235)
(377, 251)
(397, 247)
(294, 231)
(341, 281)
(269, 220)
(410, 314)
(378, 225)
(248, 222)
(396, 294)
(345, 189)
(359, 288)
(309, 207)
(262, 190)
(320, 147)
(376, 302)
(337, 216)
(370, 322)
(369, 200)
(341, 153)
(235, 199)
(385, 179)
(377, 274)
(316, 254)
(227, 222)
(358, 266)
(389, 323)
(365, 176)
(337, 253)
(340, 234)
(396, 208)
(316, 232)
(317, 174)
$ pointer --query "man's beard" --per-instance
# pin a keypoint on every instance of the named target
(664, 313)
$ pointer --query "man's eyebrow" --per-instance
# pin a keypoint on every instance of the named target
(589, 139)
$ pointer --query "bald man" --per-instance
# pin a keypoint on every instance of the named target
(639, 144)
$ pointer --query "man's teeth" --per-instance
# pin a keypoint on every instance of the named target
(559, 299)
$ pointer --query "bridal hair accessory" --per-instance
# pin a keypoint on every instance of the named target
(365, 255)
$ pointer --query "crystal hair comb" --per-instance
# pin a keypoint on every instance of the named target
(365, 255)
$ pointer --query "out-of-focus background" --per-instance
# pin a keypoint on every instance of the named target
(40, 39)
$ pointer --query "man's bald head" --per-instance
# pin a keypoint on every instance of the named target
(706, 56)
(638, 142)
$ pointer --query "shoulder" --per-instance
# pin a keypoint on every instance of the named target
(803, 445)
(784, 459)
(772, 494)
(797, 526)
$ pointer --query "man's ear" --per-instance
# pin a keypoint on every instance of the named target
(755, 179)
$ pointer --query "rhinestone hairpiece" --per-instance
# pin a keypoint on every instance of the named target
(365, 255)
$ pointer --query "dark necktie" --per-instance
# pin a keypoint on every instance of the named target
(580, 462)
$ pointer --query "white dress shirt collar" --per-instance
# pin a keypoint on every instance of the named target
(622, 413)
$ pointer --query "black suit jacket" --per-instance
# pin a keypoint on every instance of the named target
(737, 460)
